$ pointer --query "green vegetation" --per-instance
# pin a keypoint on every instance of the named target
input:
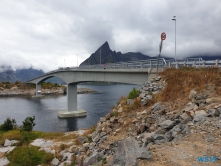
(133, 93)
(48, 85)
(28, 124)
(9, 124)
(22, 156)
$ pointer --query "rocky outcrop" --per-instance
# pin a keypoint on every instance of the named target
(149, 88)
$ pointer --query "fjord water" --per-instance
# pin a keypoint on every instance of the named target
(45, 108)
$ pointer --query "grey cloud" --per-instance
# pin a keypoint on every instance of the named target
(49, 33)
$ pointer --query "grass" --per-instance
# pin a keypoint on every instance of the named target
(23, 156)
(181, 81)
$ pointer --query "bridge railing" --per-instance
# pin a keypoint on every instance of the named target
(150, 63)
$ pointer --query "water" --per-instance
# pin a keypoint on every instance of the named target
(45, 109)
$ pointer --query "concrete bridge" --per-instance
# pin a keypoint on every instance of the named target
(134, 72)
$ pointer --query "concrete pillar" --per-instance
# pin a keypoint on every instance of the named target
(177, 65)
(169, 65)
(72, 110)
(72, 97)
(217, 63)
(38, 89)
(194, 64)
(203, 64)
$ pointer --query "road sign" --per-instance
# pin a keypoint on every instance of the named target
(163, 36)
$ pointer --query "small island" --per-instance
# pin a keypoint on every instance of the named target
(24, 89)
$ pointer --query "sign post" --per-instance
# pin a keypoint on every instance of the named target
(163, 37)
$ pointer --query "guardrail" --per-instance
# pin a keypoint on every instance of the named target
(150, 63)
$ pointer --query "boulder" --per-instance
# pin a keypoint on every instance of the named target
(7, 143)
(199, 118)
(192, 94)
(82, 139)
(54, 162)
(213, 112)
(167, 124)
(93, 158)
(128, 151)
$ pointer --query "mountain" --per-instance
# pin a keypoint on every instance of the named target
(8, 74)
(105, 55)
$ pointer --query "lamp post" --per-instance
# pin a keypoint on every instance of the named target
(100, 56)
(77, 60)
(174, 19)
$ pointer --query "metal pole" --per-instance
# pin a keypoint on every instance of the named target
(160, 48)
(100, 57)
(175, 39)
(174, 19)
(77, 60)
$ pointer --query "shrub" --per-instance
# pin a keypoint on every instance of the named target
(9, 124)
(28, 124)
(133, 93)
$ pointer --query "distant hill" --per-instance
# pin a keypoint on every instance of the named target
(109, 56)
(7, 74)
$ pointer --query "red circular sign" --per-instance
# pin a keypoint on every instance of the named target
(163, 36)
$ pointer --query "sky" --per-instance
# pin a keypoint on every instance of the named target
(47, 34)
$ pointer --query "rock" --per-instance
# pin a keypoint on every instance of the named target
(213, 100)
(210, 138)
(156, 106)
(219, 125)
(189, 107)
(82, 139)
(192, 94)
(141, 128)
(142, 95)
(149, 97)
(67, 156)
(48, 150)
(185, 118)
(158, 137)
(144, 101)
(213, 112)
(93, 158)
(95, 138)
(102, 134)
(7, 143)
(199, 118)
(128, 151)
(167, 124)
(120, 109)
(201, 112)
(55, 162)
(4, 161)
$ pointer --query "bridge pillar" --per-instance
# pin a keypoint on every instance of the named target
(38, 89)
(72, 110)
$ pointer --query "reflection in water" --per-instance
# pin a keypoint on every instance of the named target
(45, 108)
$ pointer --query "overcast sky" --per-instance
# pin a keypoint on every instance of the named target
(47, 34)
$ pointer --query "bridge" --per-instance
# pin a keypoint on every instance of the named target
(133, 72)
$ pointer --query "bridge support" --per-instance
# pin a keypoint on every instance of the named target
(38, 89)
(71, 103)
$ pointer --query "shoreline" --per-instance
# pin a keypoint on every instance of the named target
(47, 92)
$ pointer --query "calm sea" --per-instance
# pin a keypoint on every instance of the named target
(45, 108)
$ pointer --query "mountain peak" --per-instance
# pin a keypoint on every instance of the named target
(104, 46)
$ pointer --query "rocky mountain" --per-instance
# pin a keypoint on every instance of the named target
(8, 74)
(109, 56)
(105, 55)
